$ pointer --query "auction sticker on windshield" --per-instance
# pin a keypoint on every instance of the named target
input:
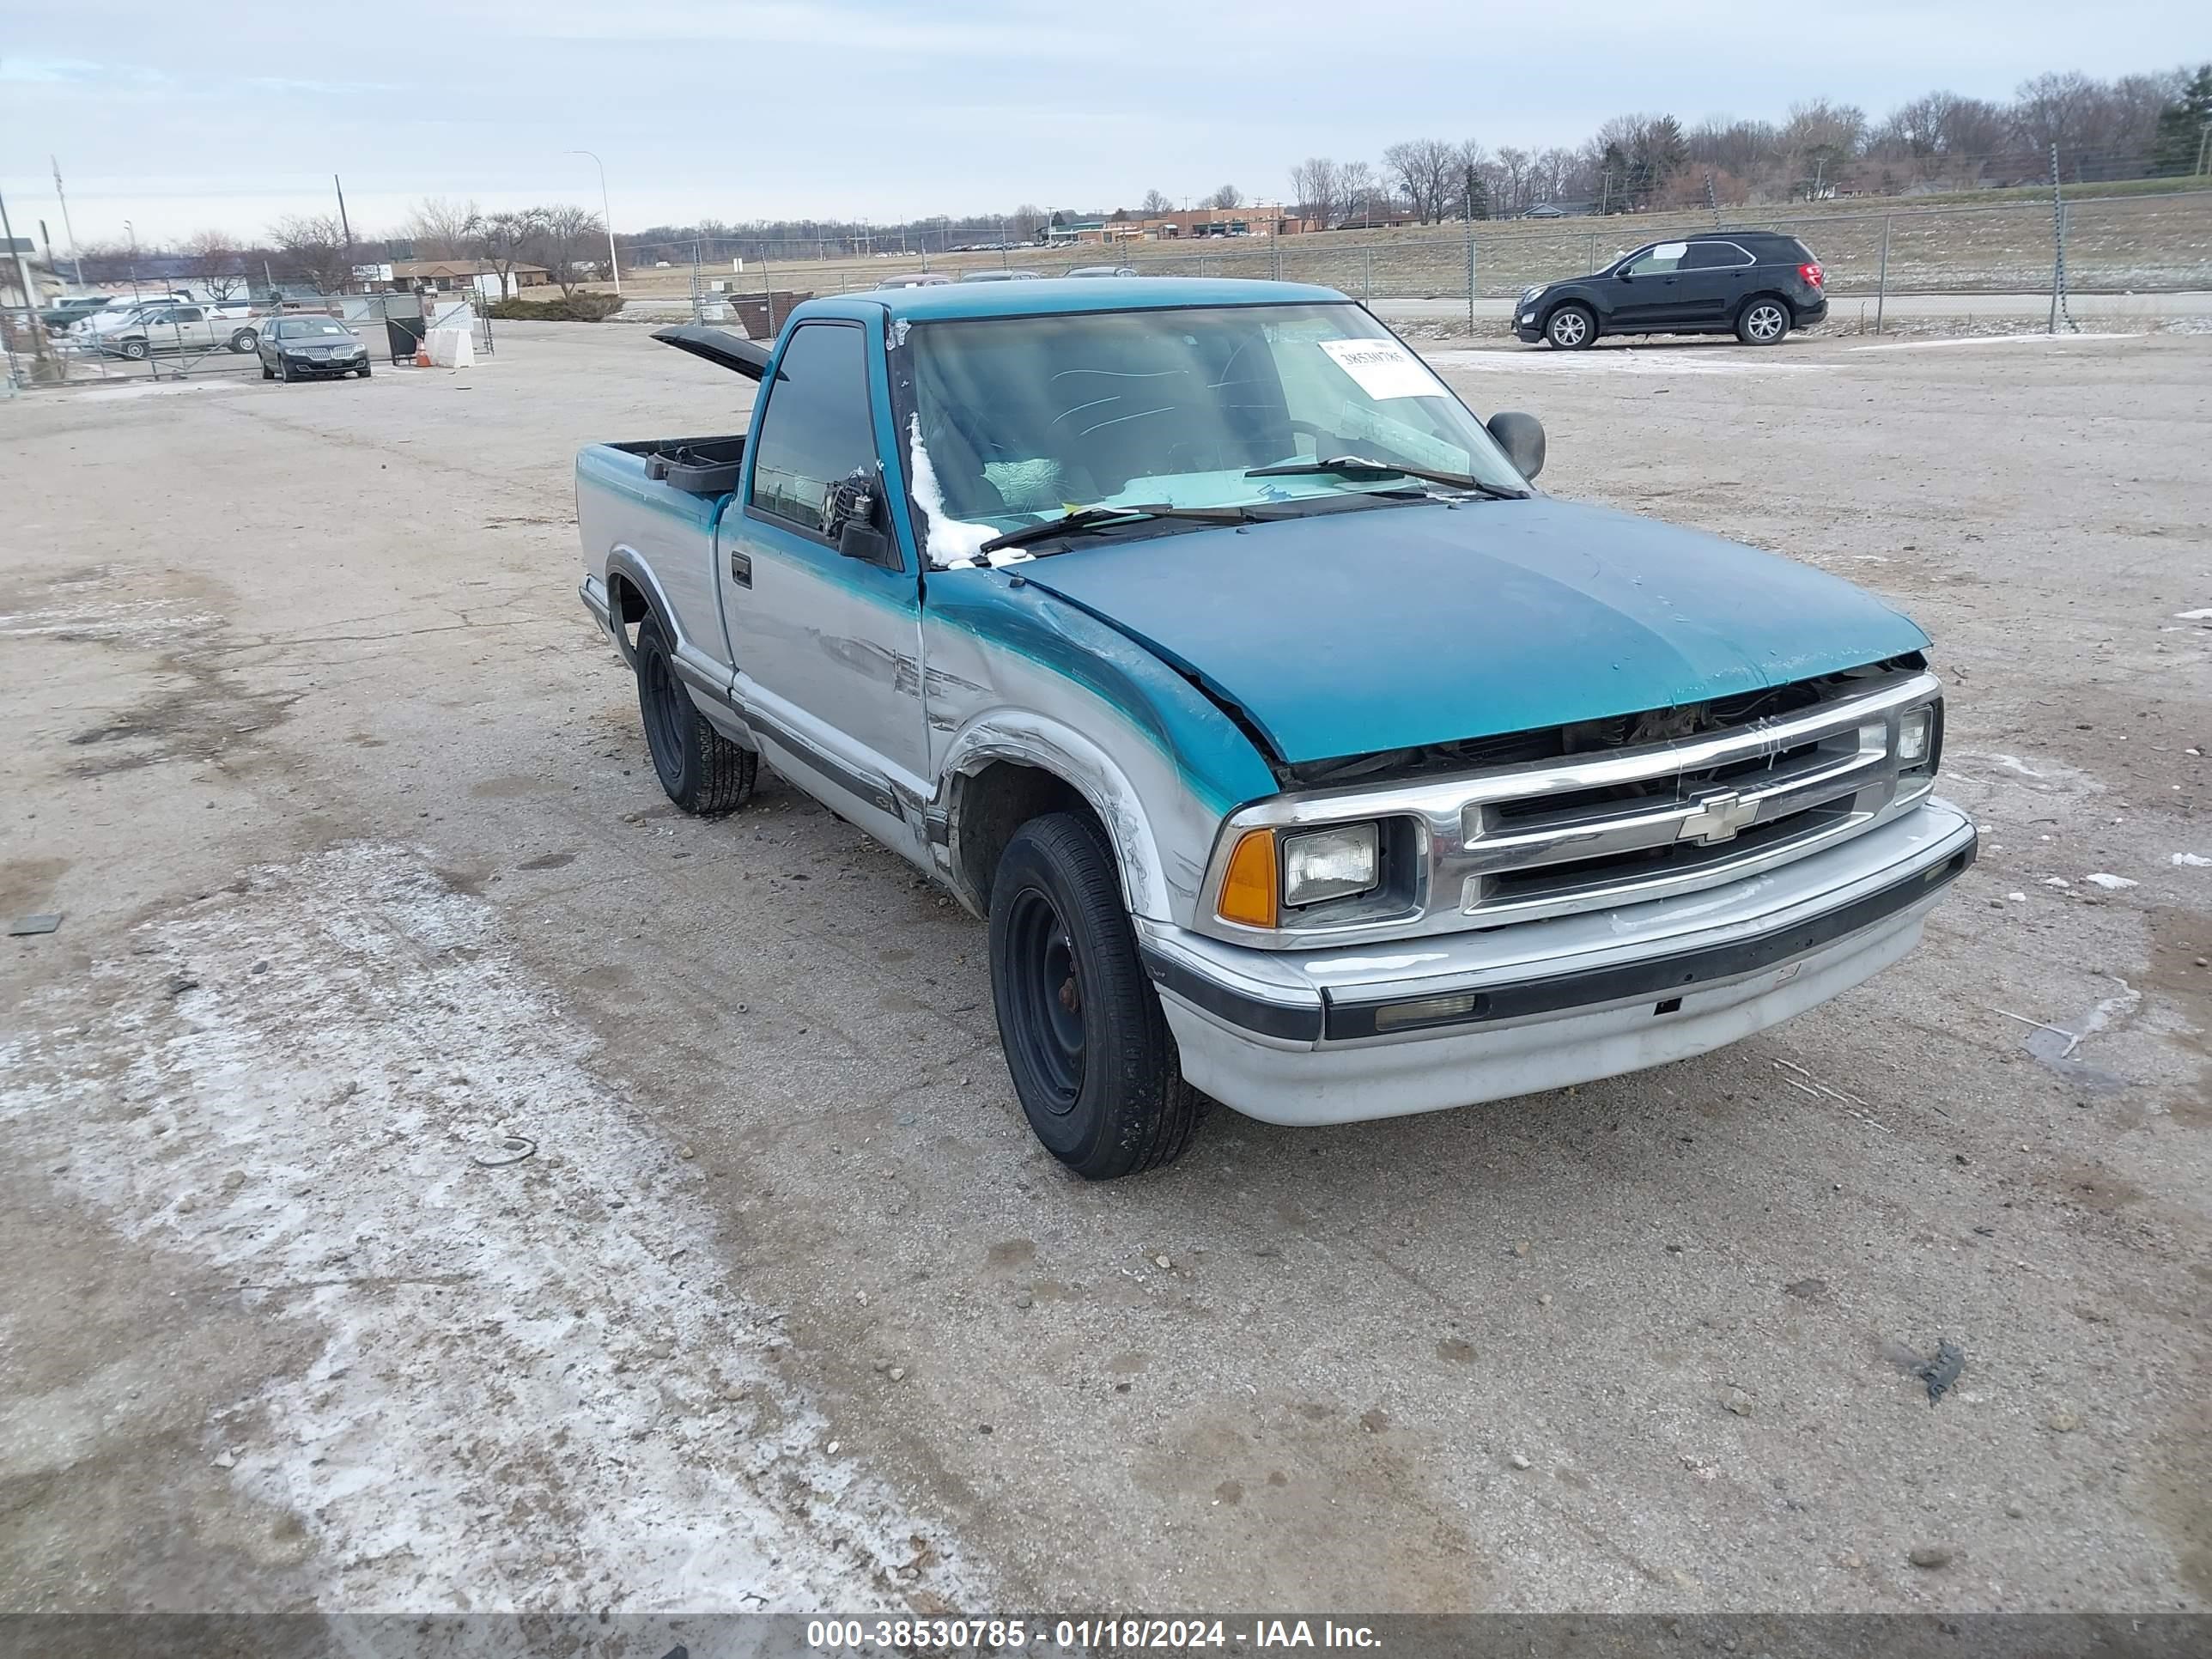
(1383, 368)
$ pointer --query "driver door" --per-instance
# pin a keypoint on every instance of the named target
(826, 626)
(1649, 292)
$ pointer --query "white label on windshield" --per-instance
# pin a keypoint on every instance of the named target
(1383, 368)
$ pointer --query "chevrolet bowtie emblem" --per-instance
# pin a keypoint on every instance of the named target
(1719, 818)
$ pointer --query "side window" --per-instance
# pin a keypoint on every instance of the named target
(1715, 256)
(186, 314)
(816, 428)
(1657, 261)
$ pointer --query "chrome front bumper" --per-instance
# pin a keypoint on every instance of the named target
(1291, 1036)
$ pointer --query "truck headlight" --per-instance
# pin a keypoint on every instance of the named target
(1327, 863)
(1916, 729)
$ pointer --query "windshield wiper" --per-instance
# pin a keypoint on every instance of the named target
(1088, 521)
(1358, 467)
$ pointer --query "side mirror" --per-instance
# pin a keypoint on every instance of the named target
(1626, 275)
(864, 541)
(849, 516)
(1522, 437)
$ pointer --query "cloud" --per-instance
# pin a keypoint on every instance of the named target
(75, 71)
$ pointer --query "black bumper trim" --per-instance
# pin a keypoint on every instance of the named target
(1657, 977)
(1294, 1022)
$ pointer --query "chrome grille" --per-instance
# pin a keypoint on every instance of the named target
(1591, 831)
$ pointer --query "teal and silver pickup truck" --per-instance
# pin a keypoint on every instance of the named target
(1299, 753)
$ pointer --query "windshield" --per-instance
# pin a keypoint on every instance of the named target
(1017, 420)
(309, 330)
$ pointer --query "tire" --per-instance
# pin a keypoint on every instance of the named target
(365, 373)
(137, 350)
(703, 772)
(244, 341)
(284, 371)
(267, 372)
(1093, 1061)
(1571, 328)
(1764, 321)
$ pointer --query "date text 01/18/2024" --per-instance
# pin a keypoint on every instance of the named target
(1081, 1635)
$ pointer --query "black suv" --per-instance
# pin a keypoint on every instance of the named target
(1758, 284)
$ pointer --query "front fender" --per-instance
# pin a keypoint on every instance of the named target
(1031, 739)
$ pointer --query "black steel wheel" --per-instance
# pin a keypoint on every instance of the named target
(1089, 1052)
(702, 770)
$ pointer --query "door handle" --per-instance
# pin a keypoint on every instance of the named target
(741, 568)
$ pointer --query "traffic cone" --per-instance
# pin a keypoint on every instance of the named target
(423, 352)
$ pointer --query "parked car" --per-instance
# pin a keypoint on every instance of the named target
(1757, 285)
(303, 348)
(1103, 271)
(70, 308)
(998, 277)
(1298, 752)
(145, 331)
(917, 279)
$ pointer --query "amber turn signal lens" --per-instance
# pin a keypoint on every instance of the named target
(1249, 891)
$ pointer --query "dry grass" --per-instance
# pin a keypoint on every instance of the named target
(2144, 241)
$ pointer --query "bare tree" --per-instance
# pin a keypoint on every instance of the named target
(1318, 184)
(441, 227)
(216, 263)
(566, 239)
(1226, 199)
(504, 241)
(1363, 197)
(1025, 221)
(313, 247)
(1428, 173)
(1155, 204)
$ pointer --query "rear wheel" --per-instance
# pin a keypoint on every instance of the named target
(1092, 1060)
(702, 771)
(1571, 328)
(244, 341)
(1762, 322)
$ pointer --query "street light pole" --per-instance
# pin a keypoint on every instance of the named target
(68, 229)
(606, 212)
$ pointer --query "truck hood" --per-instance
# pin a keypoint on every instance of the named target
(1390, 627)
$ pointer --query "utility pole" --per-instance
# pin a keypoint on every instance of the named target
(68, 232)
(345, 226)
(2204, 150)
(33, 327)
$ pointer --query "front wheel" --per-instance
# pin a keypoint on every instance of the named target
(1571, 328)
(1762, 322)
(702, 771)
(284, 371)
(137, 350)
(1093, 1061)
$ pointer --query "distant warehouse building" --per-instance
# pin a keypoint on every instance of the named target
(444, 277)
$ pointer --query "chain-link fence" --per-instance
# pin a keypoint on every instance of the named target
(2151, 241)
(178, 338)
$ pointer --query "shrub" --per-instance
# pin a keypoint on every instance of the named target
(579, 308)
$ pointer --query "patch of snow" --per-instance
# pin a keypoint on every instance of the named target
(2109, 883)
(2194, 860)
(1991, 339)
(394, 1134)
(954, 544)
(2017, 898)
(157, 389)
(1711, 361)
(2193, 616)
(2059, 882)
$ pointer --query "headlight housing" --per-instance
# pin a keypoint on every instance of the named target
(1916, 736)
(1320, 864)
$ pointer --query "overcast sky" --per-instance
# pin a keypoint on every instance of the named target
(182, 117)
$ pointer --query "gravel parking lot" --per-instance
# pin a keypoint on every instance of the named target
(441, 1176)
